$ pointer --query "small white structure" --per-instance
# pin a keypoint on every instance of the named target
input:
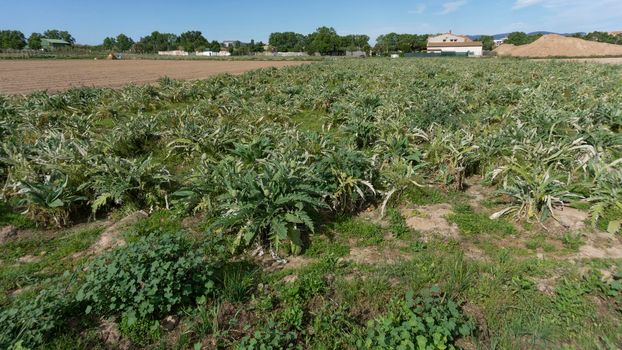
(500, 41)
(290, 54)
(222, 53)
(356, 53)
(394, 55)
(173, 53)
(449, 42)
(206, 53)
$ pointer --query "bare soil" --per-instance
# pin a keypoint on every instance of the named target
(26, 76)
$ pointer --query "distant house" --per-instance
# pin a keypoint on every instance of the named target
(500, 41)
(173, 53)
(229, 43)
(452, 43)
(50, 44)
(356, 53)
(206, 53)
(290, 54)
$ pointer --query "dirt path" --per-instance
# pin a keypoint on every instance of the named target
(25, 76)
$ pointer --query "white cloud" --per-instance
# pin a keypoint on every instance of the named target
(420, 8)
(577, 15)
(452, 6)
(519, 4)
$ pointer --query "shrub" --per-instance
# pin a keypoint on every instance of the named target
(272, 336)
(429, 321)
(471, 222)
(146, 279)
(30, 321)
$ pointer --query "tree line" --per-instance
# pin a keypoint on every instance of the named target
(16, 40)
(324, 40)
(189, 41)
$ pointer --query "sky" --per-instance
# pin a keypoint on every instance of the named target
(91, 21)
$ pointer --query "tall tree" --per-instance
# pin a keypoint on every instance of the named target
(193, 41)
(34, 41)
(521, 38)
(488, 42)
(287, 41)
(157, 41)
(324, 40)
(214, 46)
(12, 39)
(109, 43)
(124, 42)
(60, 35)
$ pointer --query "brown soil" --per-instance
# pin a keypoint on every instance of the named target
(601, 245)
(375, 255)
(570, 218)
(554, 45)
(431, 219)
(25, 76)
(111, 237)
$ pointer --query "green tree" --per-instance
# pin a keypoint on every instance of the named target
(124, 42)
(34, 41)
(324, 40)
(109, 43)
(12, 39)
(354, 42)
(157, 41)
(488, 42)
(387, 43)
(193, 41)
(60, 35)
(214, 46)
(287, 41)
(521, 38)
(604, 37)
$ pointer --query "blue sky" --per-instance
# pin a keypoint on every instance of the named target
(90, 21)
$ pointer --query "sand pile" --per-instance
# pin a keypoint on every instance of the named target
(553, 45)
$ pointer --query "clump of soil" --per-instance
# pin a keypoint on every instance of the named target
(431, 219)
(570, 218)
(553, 45)
(601, 245)
(110, 335)
(7, 233)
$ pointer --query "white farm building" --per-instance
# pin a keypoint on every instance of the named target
(221, 53)
(459, 44)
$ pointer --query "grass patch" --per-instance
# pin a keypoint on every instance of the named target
(9, 217)
(325, 246)
(539, 241)
(572, 241)
(366, 232)
(163, 221)
(472, 223)
(52, 258)
(310, 120)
